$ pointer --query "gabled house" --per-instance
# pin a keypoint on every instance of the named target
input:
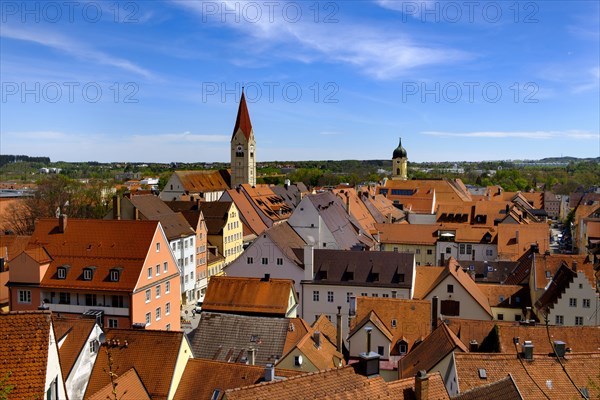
(158, 360)
(321, 220)
(334, 277)
(204, 185)
(224, 228)
(181, 236)
(277, 252)
(408, 322)
(252, 223)
(120, 272)
(29, 360)
(265, 296)
(457, 292)
(433, 354)
(508, 302)
(78, 345)
(569, 299)
(10, 247)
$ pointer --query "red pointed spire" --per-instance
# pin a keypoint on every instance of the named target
(243, 118)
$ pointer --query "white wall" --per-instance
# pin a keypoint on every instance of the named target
(358, 342)
(53, 370)
(180, 253)
(307, 222)
(469, 308)
(79, 376)
(579, 290)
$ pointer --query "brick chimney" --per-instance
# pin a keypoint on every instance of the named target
(422, 385)
(116, 200)
(62, 223)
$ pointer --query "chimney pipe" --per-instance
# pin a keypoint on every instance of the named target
(317, 339)
(269, 372)
(473, 345)
(267, 278)
(422, 385)
(116, 207)
(368, 329)
(434, 313)
(62, 223)
(252, 354)
(339, 329)
(309, 262)
(348, 203)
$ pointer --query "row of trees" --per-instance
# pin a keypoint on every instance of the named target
(56, 194)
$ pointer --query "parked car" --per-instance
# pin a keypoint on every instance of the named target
(198, 307)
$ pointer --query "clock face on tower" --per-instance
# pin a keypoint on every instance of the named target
(239, 148)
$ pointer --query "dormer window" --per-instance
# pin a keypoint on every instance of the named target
(115, 275)
(61, 272)
(88, 273)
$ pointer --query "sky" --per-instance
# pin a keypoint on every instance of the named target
(160, 81)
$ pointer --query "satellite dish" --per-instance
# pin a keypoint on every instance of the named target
(102, 338)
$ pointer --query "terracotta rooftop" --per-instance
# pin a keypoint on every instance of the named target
(548, 265)
(323, 356)
(247, 212)
(514, 240)
(24, 352)
(425, 277)
(538, 335)
(264, 199)
(203, 181)
(153, 354)
(375, 320)
(102, 244)
(340, 383)
(326, 327)
(503, 389)
(381, 208)
(202, 378)
(412, 318)
(358, 209)
(408, 234)
(242, 120)
(250, 296)
(296, 331)
(560, 283)
(437, 345)
(541, 378)
(12, 245)
(215, 215)
(129, 386)
(153, 208)
(468, 330)
(75, 332)
(227, 337)
(446, 190)
(286, 239)
(507, 296)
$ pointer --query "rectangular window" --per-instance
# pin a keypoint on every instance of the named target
(192, 275)
(148, 318)
(374, 294)
(149, 272)
(330, 297)
(157, 247)
(90, 299)
(94, 346)
(429, 252)
(394, 294)
(315, 295)
(147, 295)
(385, 295)
(113, 323)
(157, 269)
(364, 294)
(114, 275)
(450, 288)
(579, 321)
(489, 252)
(418, 251)
(168, 308)
(585, 303)
(87, 274)
(448, 250)
(174, 246)
(280, 261)
(168, 327)
(62, 273)
(158, 314)
(450, 308)
(265, 261)
(165, 267)
(559, 319)
(25, 296)
(394, 323)
(64, 298)
(117, 301)
(462, 249)
(469, 249)
(380, 350)
(395, 249)
(500, 317)
(157, 289)
(572, 302)
(250, 260)
(348, 295)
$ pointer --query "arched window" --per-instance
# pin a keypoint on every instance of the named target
(397, 171)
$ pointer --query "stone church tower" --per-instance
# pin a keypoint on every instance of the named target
(243, 148)
(399, 163)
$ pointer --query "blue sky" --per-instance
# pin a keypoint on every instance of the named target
(159, 81)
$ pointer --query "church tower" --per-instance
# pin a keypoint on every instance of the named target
(399, 163)
(243, 148)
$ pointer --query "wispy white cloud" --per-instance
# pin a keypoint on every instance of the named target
(70, 46)
(378, 52)
(572, 134)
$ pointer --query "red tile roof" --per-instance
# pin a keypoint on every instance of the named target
(75, 333)
(153, 354)
(441, 342)
(24, 341)
(129, 386)
(408, 234)
(254, 296)
(248, 214)
(203, 181)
